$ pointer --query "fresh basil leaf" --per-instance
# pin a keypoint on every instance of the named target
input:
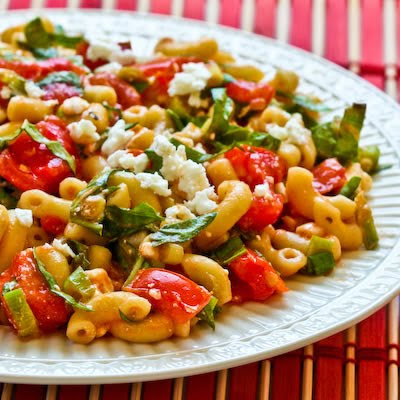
(95, 186)
(175, 119)
(81, 258)
(140, 86)
(228, 79)
(223, 109)
(208, 313)
(324, 138)
(79, 285)
(15, 82)
(140, 263)
(125, 318)
(182, 231)
(304, 101)
(111, 109)
(193, 154)
(6, 139)
(54, 288)
(63, 40)
(123, 221)
(44, 54)
(8, 286)
(55, 147)
(156, 161)
(68, 77)
(228, 251)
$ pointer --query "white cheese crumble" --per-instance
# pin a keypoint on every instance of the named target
(24, 217)
(5, 92)
(124, 159)
(83, 132)
(263, 190)
(293, 132)
(112, 68)
(63, 248)
(32, 90)
(203, 201)
(102, 49)
(154, 182)
(192, 79)
(74, 105)
(117, 138)
(196, 101)
(193, 180)
(155, 294)
(178, 212)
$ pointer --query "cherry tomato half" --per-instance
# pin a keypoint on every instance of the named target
(49, 309)
(53, 225)
(170, 293)
(328, 176)
(254, 164)
(253, 278)
(245, 91)
(60, 92)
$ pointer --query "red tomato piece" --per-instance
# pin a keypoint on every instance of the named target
(127, 95)
(170, 293)
(81, 49)
(53, 225)
(329, 175)
(253, 278)
(60, 92)
(30, 165)
(49, 309)
(245, 91)
(26, 70)
(262, 212)
(254, 164)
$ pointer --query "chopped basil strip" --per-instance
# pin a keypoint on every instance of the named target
(228, 79)
(6, 139)
(304, 101)
(175, 119)
(350, 188)
(156, 161)
(81, 254)
(79, 285)
(125, 318)
(140, 86)
(223, 109)
(319, 264)
(55, 147)
(15, 82)
(139, 264)
(182, 231)
(54, 288)
(67, 77)
(113, 109)
(208, 313)
(228, 251)
(123, 221)
(193, 154)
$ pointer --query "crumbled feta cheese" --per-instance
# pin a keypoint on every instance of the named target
(112, 67)
(263, 190)
(293, 132)
(203, 201)
(155, 294)
(25, 217)
(178, 212)
(83, 132)
(154, 182)
(63, 248)
(74, 105)
(192, 79)
(193, 179)
(196, 101)
(117, 138)
(102, 49)
(5, 92)
(51, 103)
(126, 160)
(32, 90)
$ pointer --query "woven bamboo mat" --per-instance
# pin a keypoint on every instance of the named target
(360, 363)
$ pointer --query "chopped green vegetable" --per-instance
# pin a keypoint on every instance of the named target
(7, 199)
(55, 147)
(79, 286)
(228, 251)
(182, 231)
(319, 245)
(193, 154)
(228, 79)
(8, 286)
(140, 86)
(350, 188)
(370, 234)
(320, 263)
(21, 314)
(175, 119)
(223, 109)
(68, 77)
(208, 313)
(304, 101)
(6, 139)
(156, 161)
(43, 54)
(81, 254)
(54, 288)
(139, 264)
(125, 318)
(123, 221)
(368, 157)
(15, 82)
(112, 110)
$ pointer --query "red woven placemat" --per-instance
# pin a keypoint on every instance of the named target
(362, 362)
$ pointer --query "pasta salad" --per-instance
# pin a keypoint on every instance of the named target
(139, 197)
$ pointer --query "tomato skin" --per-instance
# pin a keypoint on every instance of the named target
(253, 278)
(262, 212)
(328, 176)
(180, 298)
(127, 95)
(58, 64)
(81, 49)
(254, 164)
(53, 225)
(60, 92)
(26, 70)
(49, 309)
(245, 91)
(30, 165)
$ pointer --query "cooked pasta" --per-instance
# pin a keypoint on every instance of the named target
(137, 199)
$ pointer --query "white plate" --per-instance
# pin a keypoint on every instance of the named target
(313, 308)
